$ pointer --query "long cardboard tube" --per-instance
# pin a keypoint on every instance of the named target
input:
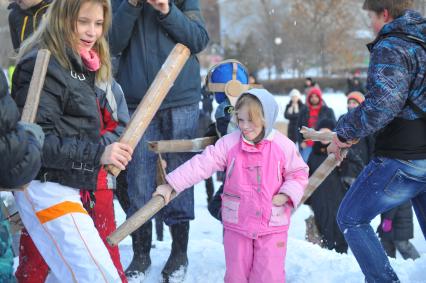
(153, 98)
(169, 146)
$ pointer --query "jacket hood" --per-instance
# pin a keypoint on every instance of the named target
(317, 92)
(269, 105)
(410, 23)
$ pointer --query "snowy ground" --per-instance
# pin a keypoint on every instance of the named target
(305, 262)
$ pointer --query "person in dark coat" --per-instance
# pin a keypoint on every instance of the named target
(396, 230)
(326, 199)
(364, 149)
(144, 33)
(20, 143)
(20, 149)
(310, 116)
(24, 17)
(292, 113)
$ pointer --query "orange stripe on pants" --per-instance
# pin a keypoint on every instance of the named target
(59, 210)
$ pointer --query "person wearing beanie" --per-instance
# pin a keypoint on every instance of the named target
(315, 111)
(354, 99)
(292, 113)
(326, 199)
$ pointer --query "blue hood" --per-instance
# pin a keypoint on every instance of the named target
(410, 23)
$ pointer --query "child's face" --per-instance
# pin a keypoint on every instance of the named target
(89, 24)
(352, 104)
(250, 129)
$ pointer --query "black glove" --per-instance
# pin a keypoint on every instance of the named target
(35, 130)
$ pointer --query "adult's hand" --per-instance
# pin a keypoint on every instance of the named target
(336, 147)
(160, 5)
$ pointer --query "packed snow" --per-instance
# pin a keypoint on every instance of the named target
(305, 262)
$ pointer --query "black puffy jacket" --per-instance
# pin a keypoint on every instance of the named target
(70, 117)
(19, 151)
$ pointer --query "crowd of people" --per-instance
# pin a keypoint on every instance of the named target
(105, 55)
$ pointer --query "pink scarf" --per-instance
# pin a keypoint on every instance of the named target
(90, 59)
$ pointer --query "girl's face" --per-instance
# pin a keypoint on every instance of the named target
(250, 129)
(89, 24)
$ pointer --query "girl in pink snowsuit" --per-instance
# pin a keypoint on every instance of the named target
(265, 178)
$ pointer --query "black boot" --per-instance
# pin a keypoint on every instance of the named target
(141, 247)
(176, 265)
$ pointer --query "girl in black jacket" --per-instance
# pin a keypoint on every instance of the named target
(73, 153)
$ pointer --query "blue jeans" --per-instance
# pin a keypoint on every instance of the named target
(384, 184)
(168, 124)
(306, 152)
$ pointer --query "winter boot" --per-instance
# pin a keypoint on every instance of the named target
(141, 247)
(175, 268)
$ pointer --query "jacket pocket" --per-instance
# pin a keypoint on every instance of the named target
(230, 207)
(279, 216)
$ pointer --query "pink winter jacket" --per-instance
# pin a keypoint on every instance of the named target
(254, 174)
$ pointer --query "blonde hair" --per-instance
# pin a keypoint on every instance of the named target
(254, 106)
(57, 33)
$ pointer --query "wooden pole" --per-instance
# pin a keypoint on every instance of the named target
(137, 219)
(157, 202)
(153, 98)
(326, 167)
(169, 146)
(29, 112)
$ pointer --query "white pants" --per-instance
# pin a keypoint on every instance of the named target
(65, 234)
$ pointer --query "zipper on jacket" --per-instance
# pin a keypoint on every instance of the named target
(231, 168)
(231, 195)
(279, 171)
(24, 26)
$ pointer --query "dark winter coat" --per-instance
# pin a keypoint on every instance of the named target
(22, 23)
(397, 73)
(70, 116)
(293, 118)
(402, 223)
(19, 150)
(145, 38)
(325, 201)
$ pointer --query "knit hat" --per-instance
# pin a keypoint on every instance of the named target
(295, 93)
(357, 96)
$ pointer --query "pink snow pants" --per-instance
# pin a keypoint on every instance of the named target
(260, 260)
